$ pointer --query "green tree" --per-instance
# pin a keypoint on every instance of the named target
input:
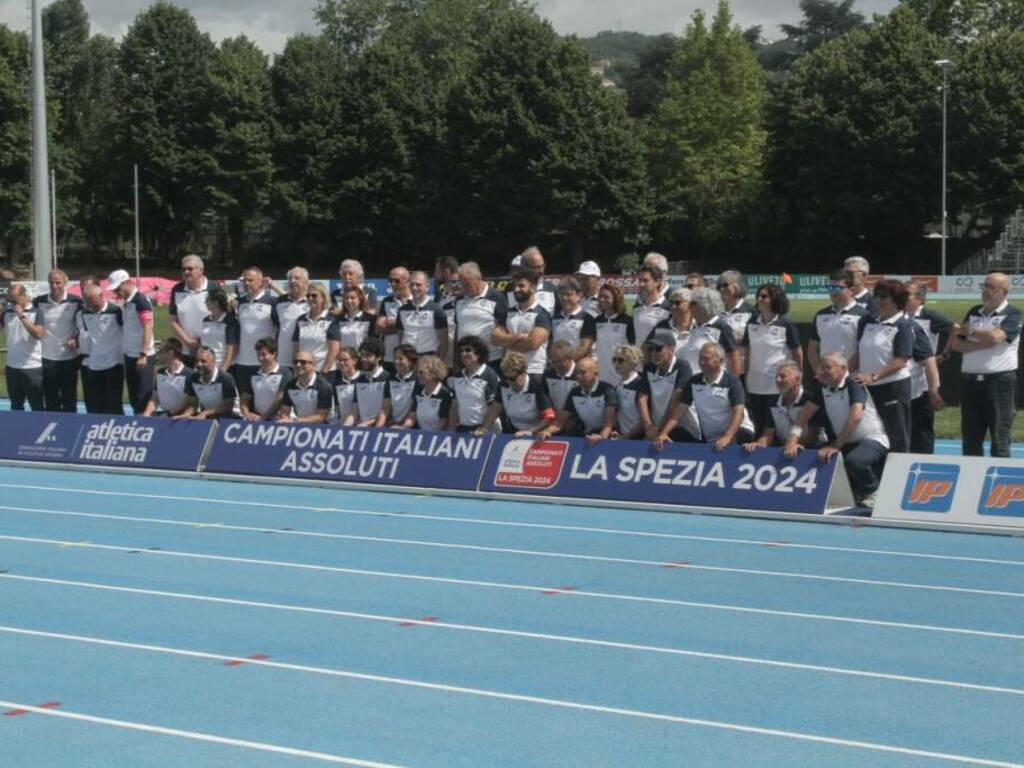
(538, 149)
(355, 25)
(964, 20)
(706, 143)
(986, 128)
(855, 141)
(307, 81)
(15, 150)
(241, 122)
(165, 122)
(645, 82)
(823, 21)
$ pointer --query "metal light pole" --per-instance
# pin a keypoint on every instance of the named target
(944, 65)
(53, 214)
(42, 257)
(137, 260)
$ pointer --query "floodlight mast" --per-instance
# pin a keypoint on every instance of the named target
(944, 65)
(41, 234)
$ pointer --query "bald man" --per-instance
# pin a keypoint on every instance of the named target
(988, 340)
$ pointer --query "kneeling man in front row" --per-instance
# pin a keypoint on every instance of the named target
(852, 424)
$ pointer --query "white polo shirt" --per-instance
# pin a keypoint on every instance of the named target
(311, 334)
(24, 351)
(418, 324)
(714, 401)
(474, 392)
(1002, 357)
(106, 334)
(266, 385)
(477, 316)
(344, 395)
(588, 405)
(432, 408)
(288, 311)
(560, 386)
(137, 310)
(215, 392)
(647, 316)
(189, 306)
(256, 321)
(880, 341)
(837, 402)
(306, 399)
(370, 391)
(519, 320)
(399, 391)
(769, 344)
(58, 321)
(836, 331)
(170, 388)
(218, 333)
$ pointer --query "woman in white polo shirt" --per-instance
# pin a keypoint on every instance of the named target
(310, 334)
(771, 339)
(884, 349)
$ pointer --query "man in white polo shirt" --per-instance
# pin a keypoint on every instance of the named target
(422, 323)
(266, 387)
(139, 349)
(257, 320)
(211, 392)
(852, 425)
(834, 329)
(188, 306)
(477, 311)
(103, 371)
(307, 398)
(288, 309)
(526, 327)
(589, 277)
(58, 312)
(989, 339)
(24, 334)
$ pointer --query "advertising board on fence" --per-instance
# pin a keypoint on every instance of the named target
(405, 458)
(111, 441)
(952, 491)
(680, 475)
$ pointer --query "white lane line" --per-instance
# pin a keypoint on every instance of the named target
(519, 524)
(534, 553)
(574, 593)
(523, 698)
(197, 736)
(542, 636)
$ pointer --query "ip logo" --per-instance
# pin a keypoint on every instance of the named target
(930, 488)
(1003, 493)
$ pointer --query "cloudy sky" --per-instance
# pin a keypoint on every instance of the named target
(271, 22)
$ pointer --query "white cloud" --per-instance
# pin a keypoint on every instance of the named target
(271, 22)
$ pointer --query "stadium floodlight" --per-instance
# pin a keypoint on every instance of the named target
(42, 241)
(944, 65)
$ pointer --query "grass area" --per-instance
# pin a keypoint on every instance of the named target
(947, 422)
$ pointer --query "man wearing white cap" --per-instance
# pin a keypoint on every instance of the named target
(589, 275)
(137, 339)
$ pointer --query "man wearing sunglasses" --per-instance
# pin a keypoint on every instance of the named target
(834, 329)
(188, 306)
(387, 318)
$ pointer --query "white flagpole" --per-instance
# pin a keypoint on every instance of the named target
(41, 224)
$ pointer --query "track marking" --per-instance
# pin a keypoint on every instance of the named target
(20, 712)
(523, 698)
(540, 588)
(510, 551)
(518, 524)
(431, 621)
(197, 736)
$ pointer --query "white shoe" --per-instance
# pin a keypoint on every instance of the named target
(868, 502)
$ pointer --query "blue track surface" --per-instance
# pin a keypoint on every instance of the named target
(420, 631)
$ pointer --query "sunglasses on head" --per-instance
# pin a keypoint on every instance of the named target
(835, 288)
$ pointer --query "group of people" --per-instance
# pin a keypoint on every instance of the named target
(691, 363)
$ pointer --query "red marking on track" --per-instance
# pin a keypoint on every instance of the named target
(424, 620)
(18, 712)
(559, 591)
(240, 662)
(677, 564)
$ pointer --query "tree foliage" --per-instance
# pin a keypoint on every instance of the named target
(706, 142)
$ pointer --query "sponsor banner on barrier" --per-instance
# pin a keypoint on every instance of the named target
(110, 441)
(969, 286)
(680, 475)
(952, 490)
(441, 460)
